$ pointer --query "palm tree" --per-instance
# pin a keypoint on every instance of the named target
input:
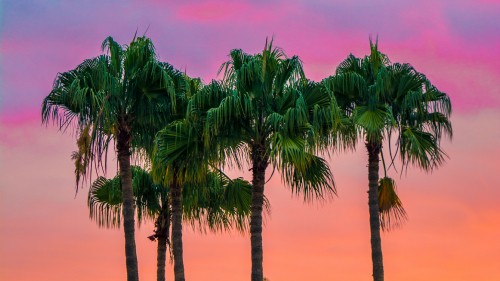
(386, 102)
(178, 160)
(123, 95)
(222, 204)
(260, 116)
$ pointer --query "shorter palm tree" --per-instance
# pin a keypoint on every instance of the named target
(222, 204)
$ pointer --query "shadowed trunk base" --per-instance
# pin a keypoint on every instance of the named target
(376, 242)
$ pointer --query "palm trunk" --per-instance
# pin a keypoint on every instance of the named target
(376, 243)
(258, 180)
(176, 190)
(161, 258)
(123, 148)
(162, 231)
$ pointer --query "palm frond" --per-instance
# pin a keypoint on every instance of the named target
(105, 198)
(305, 173)
(82, 156)
(105, 202)
(218, 204)
(372, 120)
(392, 213)
(420, 149)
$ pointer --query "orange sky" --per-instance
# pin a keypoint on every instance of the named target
(452, 234)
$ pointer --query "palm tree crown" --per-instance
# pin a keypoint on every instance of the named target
(390, 102)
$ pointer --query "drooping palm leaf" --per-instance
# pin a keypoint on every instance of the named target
(105, 198)
(219, 204)
(392, 212)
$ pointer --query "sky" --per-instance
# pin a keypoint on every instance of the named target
(454, 213)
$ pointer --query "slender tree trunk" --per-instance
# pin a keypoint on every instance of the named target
(161, 258)
(376, 242)
(162, 231)
(176, 190)
(258, 179)
(123, 148)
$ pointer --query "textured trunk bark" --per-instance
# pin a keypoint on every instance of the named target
(123, 149)
(161, 258)
(176, 190)
(258, 179)
(376, 243)
(162, 231)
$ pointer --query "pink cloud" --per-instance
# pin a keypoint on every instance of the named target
(197, 37)
(211, 11)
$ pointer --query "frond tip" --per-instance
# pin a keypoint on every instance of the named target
(392, 213)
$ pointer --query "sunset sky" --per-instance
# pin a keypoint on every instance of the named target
(453, 232)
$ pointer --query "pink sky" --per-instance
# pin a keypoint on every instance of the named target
(454, 213)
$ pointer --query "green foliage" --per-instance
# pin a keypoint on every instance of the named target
(104, 202)
(219, 204)
(105, 198)
(387, 100)
(264, 103)
(383, 102)
(125, 89)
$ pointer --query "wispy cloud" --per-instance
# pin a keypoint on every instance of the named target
(41, 38)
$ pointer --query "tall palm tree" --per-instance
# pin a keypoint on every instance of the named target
(261, 117)
(123, 95)
(222, 204)
(386, 101)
